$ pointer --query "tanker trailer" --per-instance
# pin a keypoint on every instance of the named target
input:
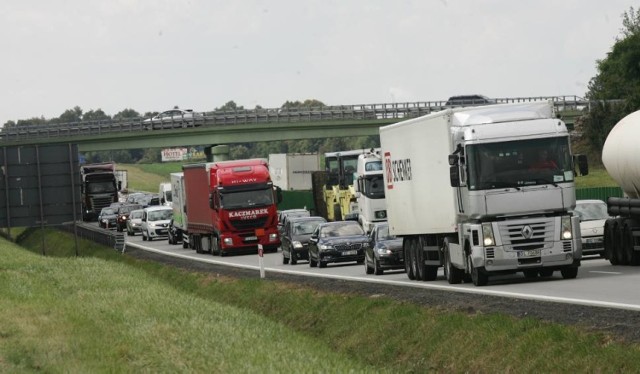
(621, 158)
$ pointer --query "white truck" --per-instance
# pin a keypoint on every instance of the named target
(178, 226)
(292, 171)
(164, 193)
(620, 156)
(465, 190)
(369, 187)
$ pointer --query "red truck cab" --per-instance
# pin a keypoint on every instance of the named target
(231, 207)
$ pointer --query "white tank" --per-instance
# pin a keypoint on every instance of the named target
(621, 154)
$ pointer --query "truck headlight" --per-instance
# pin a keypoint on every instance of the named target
(487, 235)
(565, 232)
(273, 237)
(381, 214)
(296, 244)
(227, 241)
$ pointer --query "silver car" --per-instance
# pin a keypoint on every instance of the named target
(174, 118)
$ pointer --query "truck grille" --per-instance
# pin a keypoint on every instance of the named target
(246, 224)
(527, 235)
(100, 202)
(347, 247)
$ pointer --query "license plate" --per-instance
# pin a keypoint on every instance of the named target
(349, 253)
(594, 240)
(249, 238)
(529, 253)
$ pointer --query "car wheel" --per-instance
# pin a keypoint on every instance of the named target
(285, 259)
(293, 259)
(376, 267)
(312, 262)
(144, 237)
(569, 272)
(367, 268)
(545, 273)
(149, 238)
(530, 273)
(322, 264)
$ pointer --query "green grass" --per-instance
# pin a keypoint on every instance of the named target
(106, 312)
(597, 177)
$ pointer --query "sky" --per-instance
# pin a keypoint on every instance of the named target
(151, 55)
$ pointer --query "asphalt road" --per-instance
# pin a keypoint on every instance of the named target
(598, 283)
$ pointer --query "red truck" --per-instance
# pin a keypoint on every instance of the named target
(231, 207)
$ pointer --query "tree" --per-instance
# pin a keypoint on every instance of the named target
(618, 78)
(230, 106)
(95, 115)
(70, 115)
(126, 114)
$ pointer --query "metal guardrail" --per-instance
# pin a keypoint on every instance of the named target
(96, 234)
(258, 116)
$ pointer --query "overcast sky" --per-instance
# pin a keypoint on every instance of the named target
(199, 54)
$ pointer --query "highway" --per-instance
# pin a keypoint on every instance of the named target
(598, 282)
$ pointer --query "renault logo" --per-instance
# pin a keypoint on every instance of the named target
(527, 232)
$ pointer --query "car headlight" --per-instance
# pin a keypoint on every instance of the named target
(383, 251)
(325, 247)
(296, 244)
(565, 232)
(487, 235)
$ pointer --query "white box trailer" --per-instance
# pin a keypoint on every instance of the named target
(463, 189)
(178, 229)
(292, 171)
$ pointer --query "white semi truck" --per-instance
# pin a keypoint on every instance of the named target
(621, 156)
(468, 189)
(292, 171)
(369, 187)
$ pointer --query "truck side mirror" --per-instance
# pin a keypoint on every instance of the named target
(278, 194)
(453, 160)
(454, 175)
(212, 201)
(119, 185)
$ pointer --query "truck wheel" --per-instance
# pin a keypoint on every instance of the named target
(185, 244)
(453, 274)
(477, 277)
(545, 273)
(407, 262)
(197, 245)
(627, 244)
(618, 251)
(569, 272)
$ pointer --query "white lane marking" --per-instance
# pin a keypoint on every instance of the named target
(415, 284)
(605, 272)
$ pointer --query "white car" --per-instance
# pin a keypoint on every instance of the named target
(174, 118)
(155, 222)
(593, 214)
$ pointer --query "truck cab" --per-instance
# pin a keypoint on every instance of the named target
(369, 189)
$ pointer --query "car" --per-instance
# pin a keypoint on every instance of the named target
(384, 252)
(123, 215)
(469, 100)
(107, 217)
(134, 223)
(339, 241)
(283, 214)
(174, 118)
(155, 222)
(295, 238)
(593, 214)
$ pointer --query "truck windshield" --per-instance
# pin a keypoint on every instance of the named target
(373, 187)
(519, 163)
(242, 199)
(101, 187)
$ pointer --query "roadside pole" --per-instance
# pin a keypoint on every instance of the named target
(261, 260)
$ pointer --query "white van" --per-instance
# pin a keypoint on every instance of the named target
(165, 194)
(155, 222)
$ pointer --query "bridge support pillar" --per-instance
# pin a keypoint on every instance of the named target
(217, 153)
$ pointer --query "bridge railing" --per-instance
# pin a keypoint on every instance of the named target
(358, 112)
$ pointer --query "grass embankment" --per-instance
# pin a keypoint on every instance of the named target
(106, 312)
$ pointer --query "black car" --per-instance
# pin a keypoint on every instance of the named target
(341, 241)
(107, 217)
(295, 238)
(384, 251)
(283, 215)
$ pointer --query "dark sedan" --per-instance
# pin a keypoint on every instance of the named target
(107, 217)
(123, 215)
(341, 241)
(384, 251)
(295, 238)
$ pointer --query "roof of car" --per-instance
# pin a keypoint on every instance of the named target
(302, 219)
(158, 207)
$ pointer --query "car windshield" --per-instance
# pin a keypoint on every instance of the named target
(107, 211)
(305, 228)
(383, 233)
(591, 211)
(341, 230)
(159, 215)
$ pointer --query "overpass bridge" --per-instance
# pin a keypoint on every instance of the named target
(252, 125)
